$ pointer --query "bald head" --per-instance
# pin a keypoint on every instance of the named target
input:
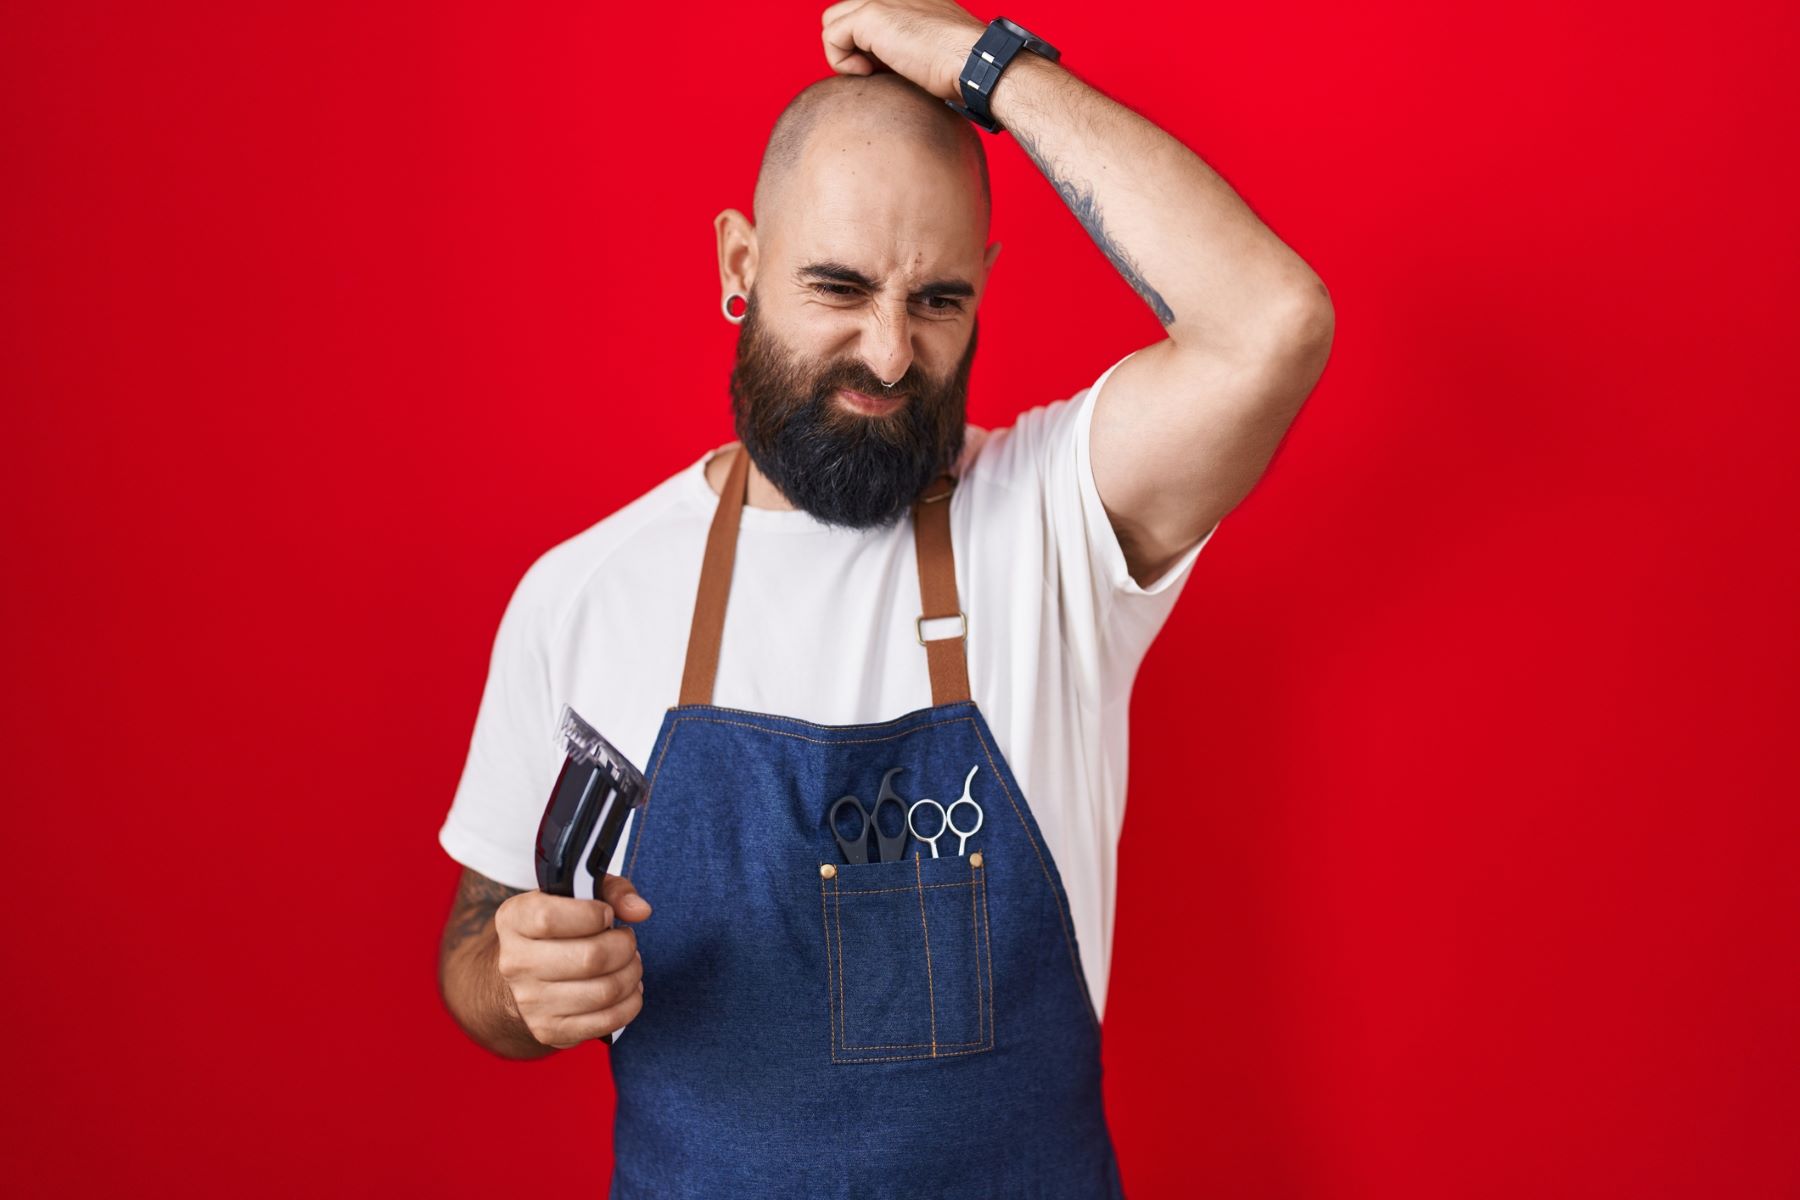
(885, 111)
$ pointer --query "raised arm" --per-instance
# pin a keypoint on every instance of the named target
(1184, 428)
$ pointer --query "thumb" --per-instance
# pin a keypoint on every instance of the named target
(617, 891)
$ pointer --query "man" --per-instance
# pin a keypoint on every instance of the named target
(910, 1009)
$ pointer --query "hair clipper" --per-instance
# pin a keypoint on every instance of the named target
(596, 789)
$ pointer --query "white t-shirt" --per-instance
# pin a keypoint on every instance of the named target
(820, 626)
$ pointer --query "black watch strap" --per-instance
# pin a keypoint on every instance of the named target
(999, 43)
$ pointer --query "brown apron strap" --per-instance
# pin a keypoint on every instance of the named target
(708, 628)
(937, 588)
(946, 656)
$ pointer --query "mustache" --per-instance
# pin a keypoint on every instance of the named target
(854, 380)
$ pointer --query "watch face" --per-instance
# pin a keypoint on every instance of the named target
(1036, 43)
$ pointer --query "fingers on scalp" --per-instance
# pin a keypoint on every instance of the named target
(839, 9)
(840, 44)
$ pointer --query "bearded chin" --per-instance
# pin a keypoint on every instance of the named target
(846, 470)
(855, 477)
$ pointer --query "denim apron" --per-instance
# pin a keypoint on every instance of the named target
(917, 1028)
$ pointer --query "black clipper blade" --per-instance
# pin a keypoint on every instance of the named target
(597, 787)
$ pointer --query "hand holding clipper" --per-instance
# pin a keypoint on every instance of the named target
(573, 975)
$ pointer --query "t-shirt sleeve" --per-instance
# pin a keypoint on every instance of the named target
(513, 759)
(1129, 615)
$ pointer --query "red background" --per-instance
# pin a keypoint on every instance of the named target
(1461, 850)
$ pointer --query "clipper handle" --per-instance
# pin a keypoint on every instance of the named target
(568, 822)
(596, 786)
(584, 796)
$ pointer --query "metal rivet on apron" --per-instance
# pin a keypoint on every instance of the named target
(975, 859)
(828, 871)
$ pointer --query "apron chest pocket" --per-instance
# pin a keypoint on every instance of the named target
(907, 956)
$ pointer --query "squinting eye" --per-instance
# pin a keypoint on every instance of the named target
(844, 291)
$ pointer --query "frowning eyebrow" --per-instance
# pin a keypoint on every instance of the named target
(836, 272)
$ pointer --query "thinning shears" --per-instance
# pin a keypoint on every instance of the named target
(946, 820)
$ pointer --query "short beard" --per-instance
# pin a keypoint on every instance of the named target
(846, 469)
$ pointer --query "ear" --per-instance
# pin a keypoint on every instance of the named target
(993, 252)
(737, 252)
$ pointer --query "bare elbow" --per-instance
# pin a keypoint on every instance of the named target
(1301, 337)
(1305, 322)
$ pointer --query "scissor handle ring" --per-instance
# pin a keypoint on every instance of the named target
(888, 849)
(943, 823)
(856, 849)
(965, 834)
(889, 796)
(862, 815)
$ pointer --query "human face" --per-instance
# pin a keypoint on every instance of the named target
(846, 466)
(867, 272)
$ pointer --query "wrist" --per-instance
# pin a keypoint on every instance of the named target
(1025, 74)
(956, 56)
(511, 1036)
(1003, 48)
(481, 1001)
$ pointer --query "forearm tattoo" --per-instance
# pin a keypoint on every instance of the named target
(477, 897)
(1081, 202)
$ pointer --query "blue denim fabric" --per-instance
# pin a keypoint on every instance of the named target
(919, 1028)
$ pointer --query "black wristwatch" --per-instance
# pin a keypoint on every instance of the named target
(999, 42)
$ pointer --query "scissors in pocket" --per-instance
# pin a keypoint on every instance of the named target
(946, 818)
(856, 849)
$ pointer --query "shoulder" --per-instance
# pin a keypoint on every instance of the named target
(1018, 456)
